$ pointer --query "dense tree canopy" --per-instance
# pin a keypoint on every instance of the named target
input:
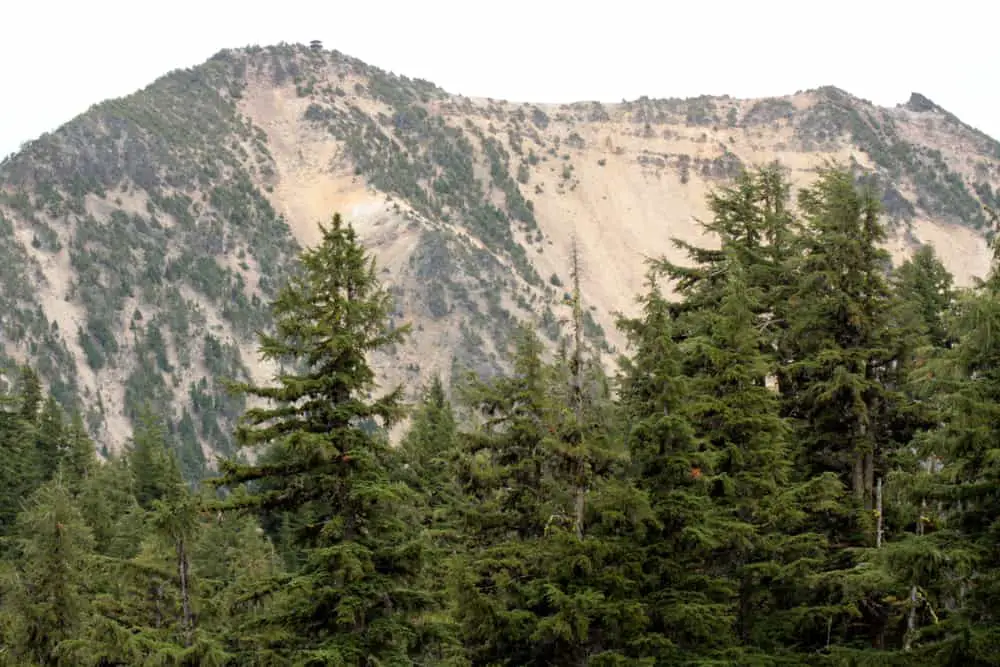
(793, 463)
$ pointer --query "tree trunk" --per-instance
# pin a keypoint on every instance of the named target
(187, 622)
(879, 529)
(879, 525)
(157, 609)
(911, 620)
(858, 476)
(869, 478)
(581, 505)
(911, 616)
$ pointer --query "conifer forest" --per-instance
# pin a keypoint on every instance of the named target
(795, 462)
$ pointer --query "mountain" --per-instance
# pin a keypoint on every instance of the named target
(141, 242)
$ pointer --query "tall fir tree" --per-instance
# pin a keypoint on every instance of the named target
(429, 455)
(840, 389)
(429, 458)
(550, 575)
(956, 588)
(771, 549)
(355, 596)
(154, 467)
(80, 457)
(49, 600)
(839, 332)
(909, 559)
(18, 459)
(687, 603)
(756, 229)
(50, 440)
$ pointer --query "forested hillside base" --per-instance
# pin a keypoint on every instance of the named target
(141, 242)
(797, 466)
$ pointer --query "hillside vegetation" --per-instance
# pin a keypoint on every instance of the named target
(794, 465)
(141, 242)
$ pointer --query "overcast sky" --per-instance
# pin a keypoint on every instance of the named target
(61, 56)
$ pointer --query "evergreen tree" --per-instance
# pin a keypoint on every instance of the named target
(509, 499)
(429, 457)
(757, 231)
(687, 603)
(839, 335)
(354, 599)
(429, 454)
(154, 467)
(907, 562)
(49, 601)
(79, 458)
(110, 508)
(30, 395)
(550, 576)
(841, 387)
(772, 551)
(953, 565)
(230, 559)
(50, 440)
(924, 286)
(176, 519)
(141, 613)
(18, 473)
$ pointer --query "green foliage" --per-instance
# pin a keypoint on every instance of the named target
(353, 596)
(446, 268)
(547, 572)
(795, 464)
(941, 191)
(154, 467)
(419, 157)
(147, 237)
(839, 335)
(48, 601)
(766, 112)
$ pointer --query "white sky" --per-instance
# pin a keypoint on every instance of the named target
(58, 57)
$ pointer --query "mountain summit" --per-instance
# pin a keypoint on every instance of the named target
(141, 242)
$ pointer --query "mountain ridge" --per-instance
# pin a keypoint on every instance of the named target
(179, 210)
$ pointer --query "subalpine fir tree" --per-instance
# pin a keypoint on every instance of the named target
(955, 619)
(18, 456)
(508, 496)
(909, 562)
(429, 464)
(155, 472)
(505, 468)
(145, 599)
(756, 229)
(837, 384)
(921, 299)
(79, 459)
(355, 598)
(550, 575)
(429, 454)
(838, 334)
(107, 500)
(924, 287)
(30, 396)
(687, 603)
(230, 560)
(50, 440)
(48, 603)
(769, 552)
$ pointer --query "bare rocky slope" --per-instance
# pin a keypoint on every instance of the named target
(141, 242)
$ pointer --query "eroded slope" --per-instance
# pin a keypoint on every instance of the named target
(141, 242)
